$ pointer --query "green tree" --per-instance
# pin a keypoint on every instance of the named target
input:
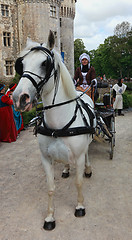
(122, 29)
(114, 57)
(123, 48)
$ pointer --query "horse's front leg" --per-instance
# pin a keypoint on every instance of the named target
(80, 164)
(49, 223)
(88, 170)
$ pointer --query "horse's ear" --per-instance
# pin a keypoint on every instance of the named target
(51, 40)
(29, 41)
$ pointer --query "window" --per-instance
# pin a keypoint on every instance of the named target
(7, 39)
(52, 11)
(65, 11)
(61, 11)
(61, 47)
(60, 22)
(9, 67)
(5, 10)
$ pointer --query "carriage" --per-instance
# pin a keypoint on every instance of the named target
(105, 116)
(67, 122)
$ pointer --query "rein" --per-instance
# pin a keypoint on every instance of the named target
(66, 102)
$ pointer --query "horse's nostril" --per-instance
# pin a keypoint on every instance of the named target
(23, 99)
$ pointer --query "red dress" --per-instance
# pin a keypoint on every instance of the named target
(8, 132)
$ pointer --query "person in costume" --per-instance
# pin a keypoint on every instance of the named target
(17, 115)
(118, 89)
(85, 75)
(8, 131)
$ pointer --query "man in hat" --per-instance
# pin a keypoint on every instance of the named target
(8, 132)
(118, 89)
(85, 75)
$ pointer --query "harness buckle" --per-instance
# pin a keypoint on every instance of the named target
(53, 134)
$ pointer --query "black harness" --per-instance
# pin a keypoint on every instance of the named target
(67, 131)
(80, 104)
(49, 64)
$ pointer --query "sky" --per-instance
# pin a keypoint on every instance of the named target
(96, 20)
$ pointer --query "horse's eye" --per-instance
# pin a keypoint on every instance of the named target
(44, 63)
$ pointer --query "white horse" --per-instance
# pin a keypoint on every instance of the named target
(43, 71)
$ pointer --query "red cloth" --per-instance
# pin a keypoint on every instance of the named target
(8, 132)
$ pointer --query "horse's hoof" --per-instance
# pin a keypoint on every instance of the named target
(88, 175)
(80, 212)
(65, 175)
(49, 225)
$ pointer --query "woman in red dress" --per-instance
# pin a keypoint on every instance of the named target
(17, 115)
(8, 132)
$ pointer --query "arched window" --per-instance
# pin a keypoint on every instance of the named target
(61, 11)
(65, 11)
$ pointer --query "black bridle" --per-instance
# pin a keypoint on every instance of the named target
(43, 80)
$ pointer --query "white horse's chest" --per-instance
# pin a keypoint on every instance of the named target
(65, 150)
(54, 149)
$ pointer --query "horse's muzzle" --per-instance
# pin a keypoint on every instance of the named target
(23, 103)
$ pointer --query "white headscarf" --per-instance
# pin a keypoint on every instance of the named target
(84, 55)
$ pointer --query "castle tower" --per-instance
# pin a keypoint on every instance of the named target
(67, 14)
(35, 18)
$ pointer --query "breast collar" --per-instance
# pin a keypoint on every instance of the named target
(67, 130)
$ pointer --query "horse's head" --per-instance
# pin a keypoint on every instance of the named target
(35, 66)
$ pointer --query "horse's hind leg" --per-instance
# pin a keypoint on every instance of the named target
(65, 173)
(88, 170)
(80, 210)
(49, 223)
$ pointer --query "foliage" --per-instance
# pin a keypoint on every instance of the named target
(114, 57)
(27, 116)
(79, 48)
(129, 84)
(122, 29)
(127, 100)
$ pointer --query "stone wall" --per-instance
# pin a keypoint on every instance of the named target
(67, 13)
(7, 25)
(32, 19)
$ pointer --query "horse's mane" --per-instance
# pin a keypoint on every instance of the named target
(65, 75)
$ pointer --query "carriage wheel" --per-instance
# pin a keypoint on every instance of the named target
(112, 142)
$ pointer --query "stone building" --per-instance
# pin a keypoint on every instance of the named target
(22, 19)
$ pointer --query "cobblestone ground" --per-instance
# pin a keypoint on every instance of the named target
(108, 194)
